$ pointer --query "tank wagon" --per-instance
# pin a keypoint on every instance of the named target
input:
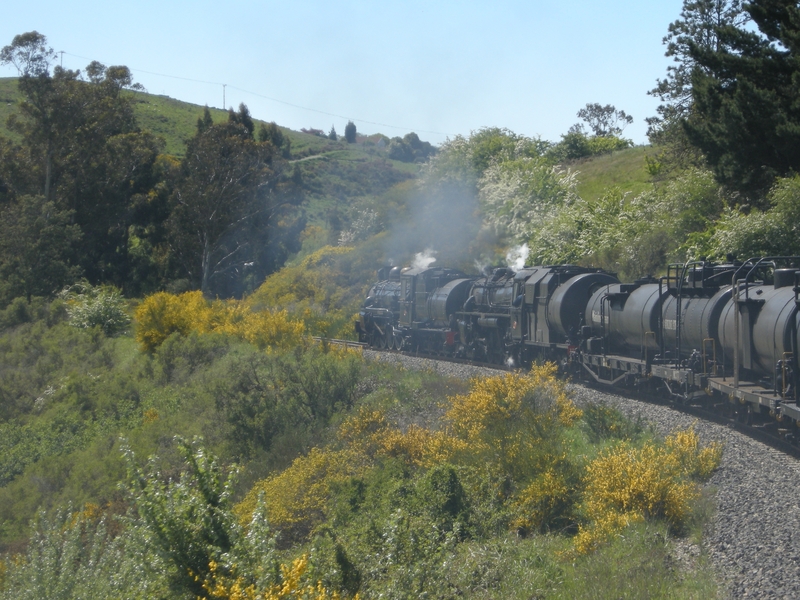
(702, 332)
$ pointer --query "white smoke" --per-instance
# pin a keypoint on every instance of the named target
(516, 257)
(423, 260)
(480, 265)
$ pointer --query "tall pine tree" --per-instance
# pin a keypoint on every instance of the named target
(746, 98)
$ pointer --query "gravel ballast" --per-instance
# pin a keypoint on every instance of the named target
(754, 538)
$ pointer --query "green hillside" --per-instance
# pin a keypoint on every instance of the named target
(624, 169)
(175, 121)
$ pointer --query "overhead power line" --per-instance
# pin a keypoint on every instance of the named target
(271, 99)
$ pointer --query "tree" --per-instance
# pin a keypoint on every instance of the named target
(332, 134)
(272, 133)
(37, 249)
(698, 26)
(81, 149)
(206, 121)
(745, 117)
(29, 53)
(242, 117)
(350, 132)
(699, 23)
(221, 175)
(229, 190)
(31, 56)
(604, 121)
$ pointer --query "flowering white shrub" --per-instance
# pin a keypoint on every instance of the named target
(102, 306)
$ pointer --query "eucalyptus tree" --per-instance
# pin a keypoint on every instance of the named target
(229, 189)
(81, 149)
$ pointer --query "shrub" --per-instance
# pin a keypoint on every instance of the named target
(296, 498)
(71, 555)
(101, 306)
(188, 521)
(514, 421)
(163, 314)
(626, 484)
(605, 422)
(293, 583)
(266, 396)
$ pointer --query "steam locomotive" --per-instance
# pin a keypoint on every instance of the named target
(702, 332)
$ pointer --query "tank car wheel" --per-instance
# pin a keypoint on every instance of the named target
(745, 415)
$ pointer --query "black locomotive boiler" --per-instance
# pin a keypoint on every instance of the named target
(700, 332)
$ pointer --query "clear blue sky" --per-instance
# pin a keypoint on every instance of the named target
(437, 68)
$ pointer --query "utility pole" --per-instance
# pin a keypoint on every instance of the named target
(61, 52)
(223, 95)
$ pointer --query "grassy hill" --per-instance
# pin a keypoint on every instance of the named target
(175, 121)
(625, 169)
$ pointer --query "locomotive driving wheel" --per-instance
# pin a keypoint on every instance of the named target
(378, 340)
(389, 338)
(397, 339)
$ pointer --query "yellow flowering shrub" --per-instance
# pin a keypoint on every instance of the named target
(370, 434)
(695, 461)
(162, 314)
(296, 498)
(546, 497)
(322, 291)
(508, 419)
(294, 584)
(626, 484)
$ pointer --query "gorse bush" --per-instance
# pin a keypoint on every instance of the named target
(625, 484)
(605, 422)
(296, 499)
(295, 583)
(182, 541)
(514, 423)
(163, 314)
(323, 291)
(267, 395)
(189, 526)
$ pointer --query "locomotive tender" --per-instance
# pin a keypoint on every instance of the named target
(701, 332)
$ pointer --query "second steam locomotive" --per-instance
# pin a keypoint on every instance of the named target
(701, 332)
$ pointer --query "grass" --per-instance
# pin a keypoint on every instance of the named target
(640, 563)
(625, 169)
